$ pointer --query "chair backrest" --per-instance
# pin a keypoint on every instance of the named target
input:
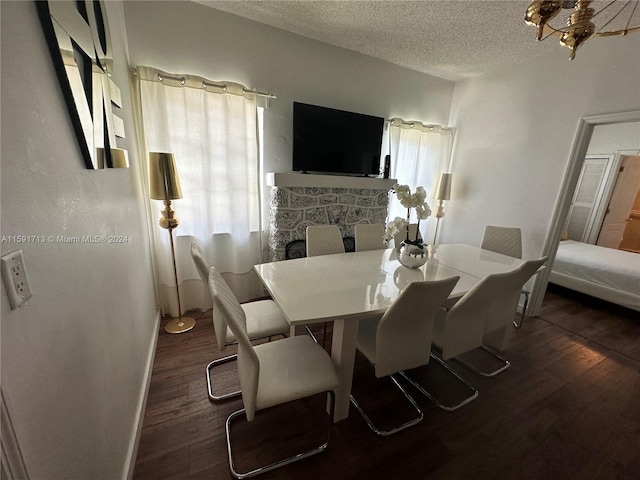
(490, 303)
(498, 328)
(402, 235)
(202, 262)
(403, 336)
(463, 327)
(324, 240)
(204, 266)
(369, 236)
(505, 240)
(248, 363)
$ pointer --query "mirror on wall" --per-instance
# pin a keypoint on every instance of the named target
(80, 44)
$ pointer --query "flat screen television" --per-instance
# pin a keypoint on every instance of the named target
(326, 140)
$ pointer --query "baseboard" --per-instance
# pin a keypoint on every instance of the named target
(133, 449)
(12, 464)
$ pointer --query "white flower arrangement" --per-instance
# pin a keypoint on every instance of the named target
(408, 200)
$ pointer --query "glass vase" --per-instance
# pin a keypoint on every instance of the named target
(413, 253)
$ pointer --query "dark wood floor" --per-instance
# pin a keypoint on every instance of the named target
(569, 407)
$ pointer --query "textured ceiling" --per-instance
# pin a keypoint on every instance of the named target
(451, 39)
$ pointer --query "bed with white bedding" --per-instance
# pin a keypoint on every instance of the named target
(612, 275)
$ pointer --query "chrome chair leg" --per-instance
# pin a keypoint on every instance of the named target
(220, 361)
(404, 426)
(506, 363)
(524, 309)
(280, 463)
(431, 397)
(313, 337)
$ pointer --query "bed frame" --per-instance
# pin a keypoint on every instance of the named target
(589, 255)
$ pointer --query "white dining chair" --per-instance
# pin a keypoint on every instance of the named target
(264, 319)
(504, 240)
(507, 241)
(399, 237)
(496, 312)
(369, 236)
(462, 328)
(273, 373)
(323, 240)
(401, 339)
(498, 331)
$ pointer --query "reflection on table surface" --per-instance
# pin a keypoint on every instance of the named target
(352, 284)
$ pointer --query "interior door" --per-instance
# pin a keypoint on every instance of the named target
(631, 237)
(621, 203)
(588, 197)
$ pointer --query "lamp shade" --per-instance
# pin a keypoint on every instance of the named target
(163, 176)
(443, 189)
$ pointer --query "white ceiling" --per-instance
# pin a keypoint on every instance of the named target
(451, 39)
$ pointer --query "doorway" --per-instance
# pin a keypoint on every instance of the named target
(586, 126)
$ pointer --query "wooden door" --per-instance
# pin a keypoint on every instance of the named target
(621, 203)
(631, 237)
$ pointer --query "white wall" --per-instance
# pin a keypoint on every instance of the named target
(515, 131)
(75, 357)
(184, 37)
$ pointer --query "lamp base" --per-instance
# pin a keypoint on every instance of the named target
(180, 325)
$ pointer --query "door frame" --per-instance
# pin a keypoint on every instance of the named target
(572, 172)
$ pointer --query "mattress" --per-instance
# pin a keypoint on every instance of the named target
(613, 275)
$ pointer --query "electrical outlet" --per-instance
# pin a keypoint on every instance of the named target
(15, 279)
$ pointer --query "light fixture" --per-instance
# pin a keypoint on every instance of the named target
(442, 193)
(588, 18)
(165, 185)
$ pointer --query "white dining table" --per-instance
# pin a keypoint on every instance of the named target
(346, 287)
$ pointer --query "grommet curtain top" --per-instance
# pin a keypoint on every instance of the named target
(411, 124)
(194, 81)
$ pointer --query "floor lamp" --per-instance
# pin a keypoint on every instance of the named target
(165, 185)
(442, 193)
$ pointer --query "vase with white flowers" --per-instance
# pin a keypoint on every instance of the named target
(412, 252)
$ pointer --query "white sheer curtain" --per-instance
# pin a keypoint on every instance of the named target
(419, 154)
(213, 136)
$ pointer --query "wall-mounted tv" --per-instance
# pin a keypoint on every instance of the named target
(326, 140)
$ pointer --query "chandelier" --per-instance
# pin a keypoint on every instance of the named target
(586, 19)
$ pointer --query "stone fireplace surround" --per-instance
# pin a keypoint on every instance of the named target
(298, 200)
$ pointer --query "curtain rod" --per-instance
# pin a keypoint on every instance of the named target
(398, 122)
(221, 86)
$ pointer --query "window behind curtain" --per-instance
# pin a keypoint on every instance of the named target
(214, 137)
(419, 154)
